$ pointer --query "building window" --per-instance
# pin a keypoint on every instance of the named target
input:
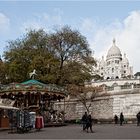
(112, 70)
(117, 61)
(101, 68)
(101, 73)
(124, 65)
(124, 71)
(107, 78)
(108, 62)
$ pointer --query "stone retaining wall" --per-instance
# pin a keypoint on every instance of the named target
(99, 109)
(105, 107)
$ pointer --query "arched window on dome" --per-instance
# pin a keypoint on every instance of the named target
(108, 78)
(117, 77)
(112, 70)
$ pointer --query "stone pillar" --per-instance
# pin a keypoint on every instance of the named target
(132, 86)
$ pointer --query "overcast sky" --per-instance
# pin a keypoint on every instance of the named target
(99, 22)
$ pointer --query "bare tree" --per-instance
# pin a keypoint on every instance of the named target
(85, 94)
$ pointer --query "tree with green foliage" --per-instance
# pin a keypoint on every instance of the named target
(97, 77)
(72, 50)
(137, 74)
(24, 55)
(62, 57)
(3, 69)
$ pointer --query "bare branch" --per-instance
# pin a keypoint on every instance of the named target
(84, 94)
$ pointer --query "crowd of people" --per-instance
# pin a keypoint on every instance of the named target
(116, 119)
(122, 120)
(87, 121)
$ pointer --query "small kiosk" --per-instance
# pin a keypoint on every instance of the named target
(6, 105)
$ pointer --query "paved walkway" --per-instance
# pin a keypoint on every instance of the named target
(107, 131)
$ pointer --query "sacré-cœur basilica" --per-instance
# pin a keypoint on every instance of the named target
(121, 90)
(115, 66)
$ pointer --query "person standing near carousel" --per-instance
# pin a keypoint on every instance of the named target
(89, 123)
(138, 118)
(84, 120)
(121, 118)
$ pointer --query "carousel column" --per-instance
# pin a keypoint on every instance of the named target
(26, 98)
(25, 103)
(42, 104)
(38, 99)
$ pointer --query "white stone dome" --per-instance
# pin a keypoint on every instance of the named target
(114, 51)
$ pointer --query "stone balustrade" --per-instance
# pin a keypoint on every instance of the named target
(122, 87)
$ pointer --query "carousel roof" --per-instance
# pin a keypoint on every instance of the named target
(33, 86)
(33, 82)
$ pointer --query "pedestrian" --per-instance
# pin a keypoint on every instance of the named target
(84, 120)
(116, 119)
(138, 118)
(89, 123)
(121, 118)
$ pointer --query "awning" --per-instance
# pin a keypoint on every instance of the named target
(8, 107)
(7, 104)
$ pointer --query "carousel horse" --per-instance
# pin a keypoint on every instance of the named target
(32, 74)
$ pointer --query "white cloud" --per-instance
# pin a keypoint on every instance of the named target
(87, 25)
(99, 35)
(4, 22)
(46, 17)
(55, 17)
(127, 34)
(31, 25)
(44, 20)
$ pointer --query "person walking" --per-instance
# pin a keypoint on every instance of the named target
(116, 119)
(138, 118)
(84, 120)
(89, 123)
(121, 118)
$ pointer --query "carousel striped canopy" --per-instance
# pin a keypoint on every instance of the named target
(33, 85)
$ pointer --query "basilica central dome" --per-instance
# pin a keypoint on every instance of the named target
(114, 51)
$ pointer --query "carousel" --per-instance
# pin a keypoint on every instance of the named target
(32, 96)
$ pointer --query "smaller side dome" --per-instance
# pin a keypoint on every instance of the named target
(125, 60)
(102, 60)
